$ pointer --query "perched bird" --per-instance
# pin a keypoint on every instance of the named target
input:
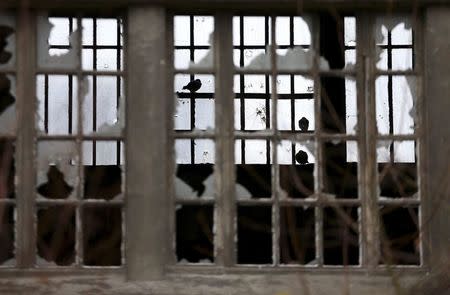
(301, 157)
(193, 85)
(303, 124)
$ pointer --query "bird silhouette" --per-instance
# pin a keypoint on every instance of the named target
(301, 157)
(303, 124)
(193, 85)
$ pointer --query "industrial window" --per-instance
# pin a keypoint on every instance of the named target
(298, 192)
(77, 216)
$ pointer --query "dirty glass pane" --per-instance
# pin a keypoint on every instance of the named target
(193, 41)
(396, 104)
(295, 103)
(57, 43)
(194, 100)
(296, 165)
(297, 235)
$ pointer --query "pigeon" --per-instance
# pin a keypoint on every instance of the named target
(301, 157)
(193, 85)
(303, 124)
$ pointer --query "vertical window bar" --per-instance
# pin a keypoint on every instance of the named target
(118, 82)
(267, 96)
(242, 85)
(318, 170)
(46, 86)
(70, 82)
(79, 144)
(275, 141)
(292, 81)
(192, 77)
(390, 98)
(94, 90)
(225, 210)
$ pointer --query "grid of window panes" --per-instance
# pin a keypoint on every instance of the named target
(80, 163)
(8, 140)
(301, 202)
(194, 181)
(398, 143)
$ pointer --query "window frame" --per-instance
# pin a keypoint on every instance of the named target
(147, 197)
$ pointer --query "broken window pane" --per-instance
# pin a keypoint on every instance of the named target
(7, 40)
(7, 104)
(195, 102)
(7, 235)
(195, 169)
(57, 104)
(341, 175)
(103, 152)
(398, 180)
(194, 234)
(57, 43)
(103, 182)
(104, 106)
(341, 235)
(296, 163)
(102, 236)
(252, 34)
(193, 38)
(7, 169)
(395, 47)
(253, 178)
(297, 235)
(57, 169)
(56, 235)
(400, 243)
(254, 235)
